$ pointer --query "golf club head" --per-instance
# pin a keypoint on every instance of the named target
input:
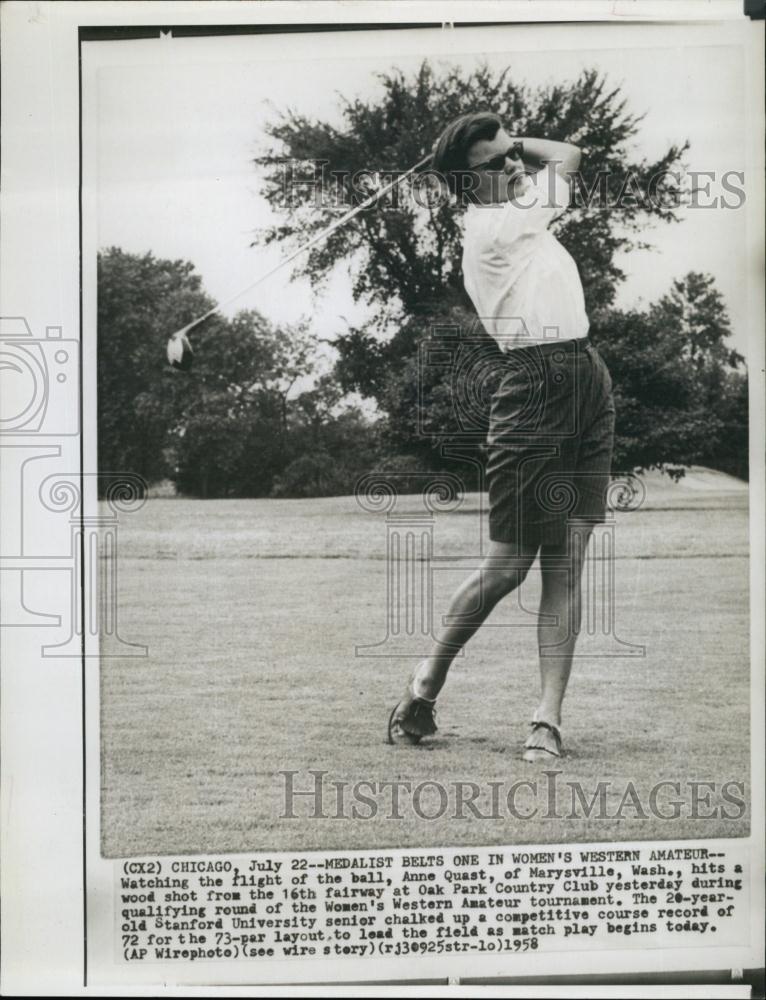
(179, 351)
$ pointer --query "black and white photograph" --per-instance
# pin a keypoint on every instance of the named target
(418, 501)
(478, 429)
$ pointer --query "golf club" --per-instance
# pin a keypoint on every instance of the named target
(179, 349)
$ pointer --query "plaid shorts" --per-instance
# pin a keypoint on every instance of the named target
(550, 442)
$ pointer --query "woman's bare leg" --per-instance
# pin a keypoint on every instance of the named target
(559, 625)
(502, 571)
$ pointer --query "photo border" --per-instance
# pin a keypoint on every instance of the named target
(87, 18)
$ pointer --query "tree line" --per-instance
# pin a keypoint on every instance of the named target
(258, 416)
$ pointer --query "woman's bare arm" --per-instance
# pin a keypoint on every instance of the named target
(539, 152)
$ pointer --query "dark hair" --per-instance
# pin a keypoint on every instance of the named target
(449, 156)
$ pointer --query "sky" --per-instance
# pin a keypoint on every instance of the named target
(173, 126)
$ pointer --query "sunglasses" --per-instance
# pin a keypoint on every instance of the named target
(497, 162)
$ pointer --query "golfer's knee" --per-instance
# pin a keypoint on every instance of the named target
(562, 565)
(561, 584)
(501, 580)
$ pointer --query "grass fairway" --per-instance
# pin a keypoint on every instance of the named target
(252, 611)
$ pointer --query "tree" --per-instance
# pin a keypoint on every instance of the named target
(680, 390)
(404, 256)
(331, 444)
(141, 301)
(220, 429)
(231, 430)
(695, 310)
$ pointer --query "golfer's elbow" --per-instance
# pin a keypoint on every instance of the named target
(564, 157)
(576, 157)
(571, 159)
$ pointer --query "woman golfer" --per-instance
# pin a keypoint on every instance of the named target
(552, 416)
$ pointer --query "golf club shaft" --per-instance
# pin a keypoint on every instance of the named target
(367, 203)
